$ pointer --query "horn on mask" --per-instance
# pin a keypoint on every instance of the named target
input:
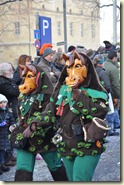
(31, 68)
(23, 69)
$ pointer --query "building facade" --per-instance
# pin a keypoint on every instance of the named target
(79, 18)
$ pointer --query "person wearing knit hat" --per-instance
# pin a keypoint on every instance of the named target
(99, 59)
(6, 120)
(46, 63)
(3, 98)
(44, 46)
(47, 52)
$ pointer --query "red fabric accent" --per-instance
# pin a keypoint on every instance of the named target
(37, 78)
(24, 125)
(60, 109)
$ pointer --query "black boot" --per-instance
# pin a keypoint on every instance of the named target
(1, 172)
(59, 174)
(4, 168)
(113, 133)
(23, 175)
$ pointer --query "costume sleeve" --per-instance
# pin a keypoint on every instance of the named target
(47, 116)
(91, 107)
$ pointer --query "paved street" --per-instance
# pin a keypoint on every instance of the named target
(108, 169)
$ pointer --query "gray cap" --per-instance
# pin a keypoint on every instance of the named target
(47, 51)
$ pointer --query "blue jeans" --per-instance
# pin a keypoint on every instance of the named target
(113, 119)
(116, 119)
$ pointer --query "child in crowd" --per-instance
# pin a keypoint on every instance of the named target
(6, 120)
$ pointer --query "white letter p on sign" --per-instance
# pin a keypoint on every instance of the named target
(45, 25)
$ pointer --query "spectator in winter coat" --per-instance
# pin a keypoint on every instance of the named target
(104, 79)
(8, 87)
(98, 62)
(6, 120)
(112, 71)
(46, 63)
(113, 74)
(23, 60)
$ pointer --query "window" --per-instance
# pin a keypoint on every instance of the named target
(93, 30)
(17, 28)
(43, 7)
(71, 28)
(82, 31)
(82, 12)
(58, 28)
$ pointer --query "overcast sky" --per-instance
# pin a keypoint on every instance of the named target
(106, 26)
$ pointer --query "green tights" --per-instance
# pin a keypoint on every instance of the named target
(81, 168)
(26, 160)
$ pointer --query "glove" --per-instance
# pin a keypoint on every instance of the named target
(27, 132)
(75, 93)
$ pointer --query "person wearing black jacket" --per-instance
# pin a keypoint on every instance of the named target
(8, 87)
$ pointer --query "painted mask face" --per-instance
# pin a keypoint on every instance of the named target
(77, 72)
(29, 84)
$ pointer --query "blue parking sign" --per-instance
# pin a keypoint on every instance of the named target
(45, 30)
(36, 34)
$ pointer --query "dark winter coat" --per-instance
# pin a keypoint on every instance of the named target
(9, 89)
(16, 76)
(6, 120)
(103, 78)
(49, 67)
(92, 102)
(30, 107)
(113, 74)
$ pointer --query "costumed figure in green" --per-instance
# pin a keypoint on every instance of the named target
(34, 95)
(80, 104)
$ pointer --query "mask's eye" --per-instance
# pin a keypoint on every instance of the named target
(78, 66)
(30, 76)
(68, 67)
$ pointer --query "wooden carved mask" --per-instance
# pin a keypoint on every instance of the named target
(29, 85)
(76, 70)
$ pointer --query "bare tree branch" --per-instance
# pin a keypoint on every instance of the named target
(9, 1)
(108, 5)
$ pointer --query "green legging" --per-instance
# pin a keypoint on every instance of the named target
(81, 168)
(26, 160)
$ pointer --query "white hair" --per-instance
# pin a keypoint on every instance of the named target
(4, 69)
